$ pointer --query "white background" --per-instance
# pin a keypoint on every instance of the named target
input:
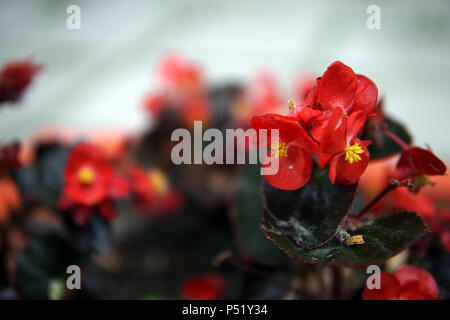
(95, 77)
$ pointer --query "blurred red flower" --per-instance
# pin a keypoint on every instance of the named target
(90, 181)
(408, 283)
(15, 77)
(206, 287)
(88, 175)
(153, 193)
(416, 161)
(292, 150)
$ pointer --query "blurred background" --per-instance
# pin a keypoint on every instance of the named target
(95, 77)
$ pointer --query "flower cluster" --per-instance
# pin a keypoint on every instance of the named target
(326, 124)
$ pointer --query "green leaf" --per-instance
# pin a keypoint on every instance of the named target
(385, 237)
(382, 146)
(248, 211)
(309, 216)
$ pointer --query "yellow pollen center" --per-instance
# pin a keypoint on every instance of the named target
(279, 149)
(292, 105)
(159, 181)
(86, 175)
(352, 153)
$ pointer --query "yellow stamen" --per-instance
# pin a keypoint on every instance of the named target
(356, 239)
(279, 149)
(86, 175)
(352, 153)
(158, 181)
(292, 105)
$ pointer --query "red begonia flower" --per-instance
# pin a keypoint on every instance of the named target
(15, 77)
(416, 161)
(408, 283)
(292, 150)
(153, 193)
(207, 287)
(348, 156)
(88, 175)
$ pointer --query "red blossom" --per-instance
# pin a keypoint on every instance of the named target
(206, 287)
(15, 77)
(348, 156)
(416, 161)
(91, 185)
(292, 150)
(408, 283)
(152, 191)
(88, 175)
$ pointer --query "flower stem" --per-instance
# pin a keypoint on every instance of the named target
(393, 184)
(396, 139)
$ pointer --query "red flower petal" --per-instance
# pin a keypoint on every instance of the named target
(288, 127)
(346, 173)
(366, 95)
(207, 287)
(417, 161)
(294, 170)
(81, 215)
(119, 187)
(338, 87)
(410, 291)
(333, 138)
(389, 289)
(107, 210)
(354, 125)
(427, 288)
